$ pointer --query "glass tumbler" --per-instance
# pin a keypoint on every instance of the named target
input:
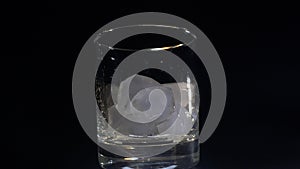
(147, 98)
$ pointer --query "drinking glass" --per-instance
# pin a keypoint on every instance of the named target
(147, 98)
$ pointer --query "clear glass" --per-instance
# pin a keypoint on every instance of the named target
(147, 118)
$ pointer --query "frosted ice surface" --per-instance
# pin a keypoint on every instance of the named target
(137, 109)
(181, 126)
(143, 100)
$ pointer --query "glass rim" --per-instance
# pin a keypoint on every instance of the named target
(192, 36)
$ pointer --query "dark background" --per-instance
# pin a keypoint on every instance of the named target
(259, 48)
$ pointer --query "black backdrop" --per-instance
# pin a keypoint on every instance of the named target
(259, 48)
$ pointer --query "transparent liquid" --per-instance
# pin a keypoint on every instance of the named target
(180, 151)
(182, 155)
(149, 147)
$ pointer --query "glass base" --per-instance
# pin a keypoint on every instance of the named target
(184, 155)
